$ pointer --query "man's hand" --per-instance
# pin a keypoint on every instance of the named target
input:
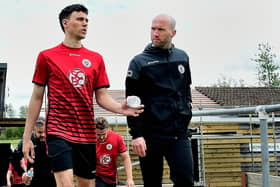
(26, 178)
(129, 111)
(139, 146)
(27, 148)
(129, 183)
(9, 184)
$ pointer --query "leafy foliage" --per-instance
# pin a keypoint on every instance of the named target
(10, 111)
(14, 132)
(23, 111)
(268, 74)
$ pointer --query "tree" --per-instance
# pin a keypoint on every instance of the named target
(267, 67)
(23, 111)
(12, 132)
(10, 111)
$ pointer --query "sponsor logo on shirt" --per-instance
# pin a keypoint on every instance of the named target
(77, 77)
(153, 62)
(72, 54)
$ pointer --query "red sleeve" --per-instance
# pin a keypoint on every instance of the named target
(102, 78)
(122, 146)
(41, 70)
(11, 167)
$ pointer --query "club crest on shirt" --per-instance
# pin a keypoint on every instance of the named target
(86, 63)
(77, 77)
(181, 69)
(105, 159)
(129, 73)
(109, 146)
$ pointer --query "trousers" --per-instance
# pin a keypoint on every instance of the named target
(178, 154)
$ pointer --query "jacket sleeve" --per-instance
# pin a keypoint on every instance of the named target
(132, 87)
(189, 81)
(17, 155)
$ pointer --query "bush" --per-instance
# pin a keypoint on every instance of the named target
(14, 132)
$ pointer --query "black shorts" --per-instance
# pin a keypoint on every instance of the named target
(67, 155)
(18, 185)
(100, 183)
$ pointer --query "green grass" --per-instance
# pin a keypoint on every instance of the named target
(12, 141)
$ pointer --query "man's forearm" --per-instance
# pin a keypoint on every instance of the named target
(8, 178)
(128, 167)
(106, 101)
(34, 109)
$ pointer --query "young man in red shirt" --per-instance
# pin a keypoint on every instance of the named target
(109, 146)
(72, 74)
(13, 178)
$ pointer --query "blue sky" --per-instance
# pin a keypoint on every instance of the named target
(220, 36)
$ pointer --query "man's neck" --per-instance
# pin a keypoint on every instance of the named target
(73, 43)
(167, 46)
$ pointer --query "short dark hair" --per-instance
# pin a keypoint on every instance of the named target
(101, 123)
(67, 11)
(40, 122)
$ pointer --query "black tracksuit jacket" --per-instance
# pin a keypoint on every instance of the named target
(162, 79)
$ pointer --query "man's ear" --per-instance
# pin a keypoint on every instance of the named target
(64, 22)
(173, 33)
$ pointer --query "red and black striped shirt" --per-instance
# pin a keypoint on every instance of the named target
(71, 75)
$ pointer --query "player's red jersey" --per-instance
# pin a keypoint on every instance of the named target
(71, 75)
(106, 157)
(16, 179)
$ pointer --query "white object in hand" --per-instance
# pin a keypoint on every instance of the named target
(133, 101)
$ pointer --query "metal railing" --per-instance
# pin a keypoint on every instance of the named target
(262, 113)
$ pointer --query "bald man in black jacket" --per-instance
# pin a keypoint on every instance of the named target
(43, 176)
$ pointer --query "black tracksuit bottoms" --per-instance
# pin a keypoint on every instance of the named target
(178, 154)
